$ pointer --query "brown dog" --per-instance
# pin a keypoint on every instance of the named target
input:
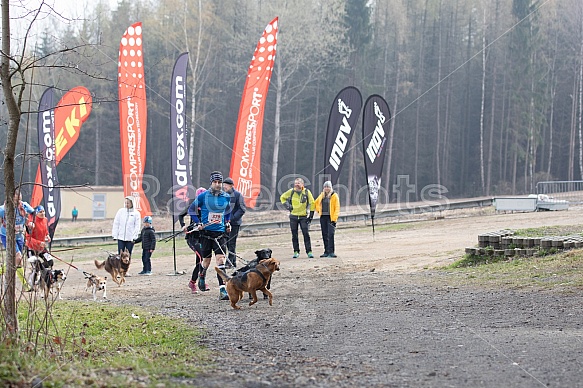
(117, 266)
(96, 283)
(250, 281)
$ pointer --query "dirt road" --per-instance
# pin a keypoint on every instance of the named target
(381, 314)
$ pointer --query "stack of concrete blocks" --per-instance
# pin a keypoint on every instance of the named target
(503, 243)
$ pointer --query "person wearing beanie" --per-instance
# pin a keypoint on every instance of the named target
(193, 240)
(148, 239)
(37, 241)
(299, 201)
(214, 222)
(238, 209)
(126, 226)
(38, 237)
(328, 206)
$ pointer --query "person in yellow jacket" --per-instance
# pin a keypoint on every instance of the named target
(300, 203)
(328, 206)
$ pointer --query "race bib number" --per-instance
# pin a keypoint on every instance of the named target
(215, 218)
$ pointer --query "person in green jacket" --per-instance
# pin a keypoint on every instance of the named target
(300, 203)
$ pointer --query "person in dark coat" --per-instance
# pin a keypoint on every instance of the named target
(148, 239)
(238, 209)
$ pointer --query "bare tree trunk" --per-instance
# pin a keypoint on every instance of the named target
(514, 167)
(418, 112)
(492, 112)
(552, 107)
(392, 130)
(532, 141)
(491, 140)
(194, 71)
(482, 102)
(276, 134)
(200, 143)
(572, 139)
(296, 138)
(315, 139)
(13, 107)
(97, 149)
(438, 112)
(503, 149)
(581, 105)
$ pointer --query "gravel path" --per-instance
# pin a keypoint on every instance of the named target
(381, 314)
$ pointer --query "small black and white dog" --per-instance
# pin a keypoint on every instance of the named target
(52, 279)
(262, 254)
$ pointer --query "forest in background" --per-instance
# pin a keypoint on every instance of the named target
(486, 96)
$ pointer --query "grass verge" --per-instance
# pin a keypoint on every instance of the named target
(101, 345)
(559, 272)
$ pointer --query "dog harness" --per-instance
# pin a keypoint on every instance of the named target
(243, 276)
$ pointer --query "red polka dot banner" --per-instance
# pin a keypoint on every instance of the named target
(246, 159)
(133, 115)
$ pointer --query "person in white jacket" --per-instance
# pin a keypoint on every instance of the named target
(126, 226)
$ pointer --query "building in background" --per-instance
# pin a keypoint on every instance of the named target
(93, 203)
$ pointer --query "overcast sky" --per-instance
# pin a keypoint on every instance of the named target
(71, 11)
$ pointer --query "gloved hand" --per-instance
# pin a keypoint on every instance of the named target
(195, 227)
(333, 223)
(309, 220)
(287, 206)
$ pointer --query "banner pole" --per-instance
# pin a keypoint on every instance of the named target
(174, 242)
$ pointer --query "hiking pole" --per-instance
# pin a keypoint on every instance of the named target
(166, 239)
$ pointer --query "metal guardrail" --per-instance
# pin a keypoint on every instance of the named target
(571, 191)
(364, 216)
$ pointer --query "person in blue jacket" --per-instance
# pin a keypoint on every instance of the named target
(22, 210)
(238, 209)
(215, 215)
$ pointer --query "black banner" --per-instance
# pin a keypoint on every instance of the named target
(341, 123)
(48, 159)
(182, 188)
(375, 125)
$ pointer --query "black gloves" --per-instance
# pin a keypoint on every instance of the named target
(333, 223)
(310, 218)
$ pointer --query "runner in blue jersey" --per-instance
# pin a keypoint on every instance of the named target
(214, 205)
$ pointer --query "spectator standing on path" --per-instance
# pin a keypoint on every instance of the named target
(21, 211)
(328, 206)
(148, 239)
(126, 226)
(238, 209)
(74, 213)
(300, 203)
(214, 220)
(193, 239)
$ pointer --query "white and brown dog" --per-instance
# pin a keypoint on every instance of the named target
(52, 279)
(96, 283)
